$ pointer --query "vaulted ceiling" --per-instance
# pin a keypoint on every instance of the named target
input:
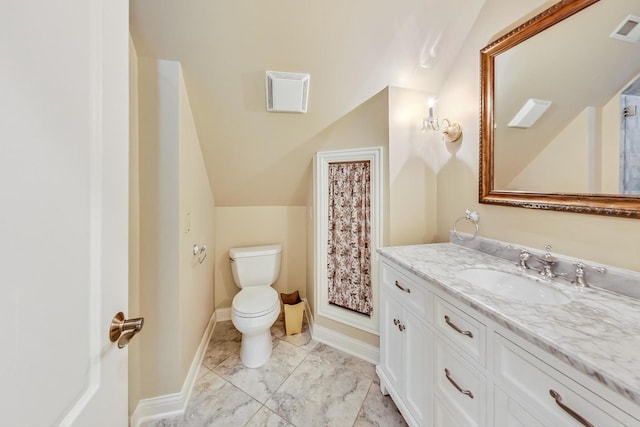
(352, 50)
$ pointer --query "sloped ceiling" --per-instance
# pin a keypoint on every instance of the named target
(352, 49)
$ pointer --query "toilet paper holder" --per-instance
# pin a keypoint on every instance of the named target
(200, 252)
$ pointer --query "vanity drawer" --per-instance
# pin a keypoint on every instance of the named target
(547, 393)
(407, 291)
(460, 386)
(463, 330)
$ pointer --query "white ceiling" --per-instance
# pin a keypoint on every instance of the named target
(352, 49)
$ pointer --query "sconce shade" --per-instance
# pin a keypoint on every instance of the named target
(452, 133)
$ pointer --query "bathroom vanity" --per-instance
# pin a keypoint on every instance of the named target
(454, 353)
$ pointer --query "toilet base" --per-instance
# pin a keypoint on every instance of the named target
(255, 350)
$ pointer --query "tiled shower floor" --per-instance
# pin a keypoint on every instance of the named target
(304, 383)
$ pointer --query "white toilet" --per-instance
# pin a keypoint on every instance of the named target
(257, 306)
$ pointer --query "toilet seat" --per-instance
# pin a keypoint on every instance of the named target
(255, 302)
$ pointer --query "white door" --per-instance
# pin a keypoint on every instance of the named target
(63, 211)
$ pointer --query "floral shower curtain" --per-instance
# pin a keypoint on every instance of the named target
(349, 245)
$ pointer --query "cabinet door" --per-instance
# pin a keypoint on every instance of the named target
(553, 397)
(391, 340)
(417, 367)
(442, 417)
(508, 413)
(460, 386)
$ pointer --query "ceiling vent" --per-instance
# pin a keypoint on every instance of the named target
(628, 30)
(287, 92)
(529, 113)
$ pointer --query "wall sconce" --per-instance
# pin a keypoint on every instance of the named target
(451, 131)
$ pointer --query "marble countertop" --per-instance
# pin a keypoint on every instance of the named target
(598, 332)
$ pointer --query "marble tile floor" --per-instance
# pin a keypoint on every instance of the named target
(304, 383)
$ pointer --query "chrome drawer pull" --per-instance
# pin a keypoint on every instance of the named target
(455, 327)
(465, 392)
(407, 290)
(568, 410)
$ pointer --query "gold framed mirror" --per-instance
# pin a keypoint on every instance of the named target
(556, 129)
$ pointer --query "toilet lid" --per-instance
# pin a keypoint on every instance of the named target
(253, 302)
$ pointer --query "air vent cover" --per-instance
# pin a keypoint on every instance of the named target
(628, 30)
(529, 113)
(287, 92)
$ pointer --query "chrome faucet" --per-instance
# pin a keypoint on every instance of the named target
(547, 261)
(525, 255)
(547, 267)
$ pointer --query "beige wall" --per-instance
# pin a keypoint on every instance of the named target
(159, 224)
(412, 170)
(564, 161)
(602, 239)
(197, 208)
(175, 293)
(260, 225)
(392, 119)
(134, 227)
(611, 146)
(365, 126)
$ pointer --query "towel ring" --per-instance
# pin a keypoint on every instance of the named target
(473, 217)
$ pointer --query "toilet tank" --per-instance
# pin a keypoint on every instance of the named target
(255, 265)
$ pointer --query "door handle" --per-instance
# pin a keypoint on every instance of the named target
(122, 330)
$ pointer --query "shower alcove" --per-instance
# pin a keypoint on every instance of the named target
(348, 229)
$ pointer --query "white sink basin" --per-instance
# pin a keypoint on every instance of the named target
(514, 287)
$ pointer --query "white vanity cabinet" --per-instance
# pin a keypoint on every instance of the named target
(529, 391)
(446, 364)
(459, 374)
(405, 355)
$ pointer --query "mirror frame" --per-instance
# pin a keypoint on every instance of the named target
(588, 203)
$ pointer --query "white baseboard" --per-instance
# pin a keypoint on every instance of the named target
(307, 311)
(176, 403)
(345, 343)
(223, 314)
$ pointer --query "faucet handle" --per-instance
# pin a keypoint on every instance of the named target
(580, 267)
(524, 256)
(547, 258)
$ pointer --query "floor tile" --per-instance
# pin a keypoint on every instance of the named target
(164, 422)
(302, 340)
(262, 382)
(341, 358)
(265, 417)
(224, 342)
(304, 383)
(320, 393)
(216, 402)
(378, 410)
